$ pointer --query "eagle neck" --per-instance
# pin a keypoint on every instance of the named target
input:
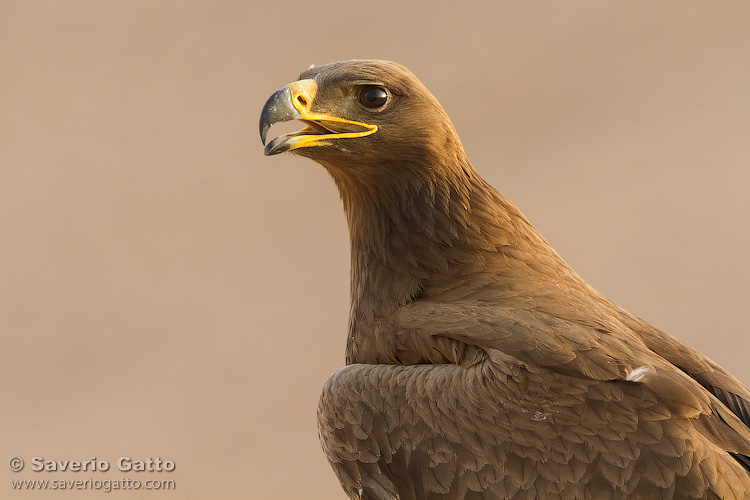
(407, 224)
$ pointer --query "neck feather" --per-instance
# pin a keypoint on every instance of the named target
(410, 226)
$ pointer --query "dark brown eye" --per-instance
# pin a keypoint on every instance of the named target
(373, 97)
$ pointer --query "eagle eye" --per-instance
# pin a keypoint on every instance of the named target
(373, 96)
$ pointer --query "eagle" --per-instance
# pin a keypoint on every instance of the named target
(479, 365)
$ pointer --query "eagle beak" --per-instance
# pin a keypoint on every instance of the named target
(293, 102)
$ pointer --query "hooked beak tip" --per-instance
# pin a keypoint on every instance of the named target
(278, 108)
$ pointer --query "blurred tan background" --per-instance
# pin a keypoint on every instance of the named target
(167, 291)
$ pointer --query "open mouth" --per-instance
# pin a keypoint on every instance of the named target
(320, 130)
